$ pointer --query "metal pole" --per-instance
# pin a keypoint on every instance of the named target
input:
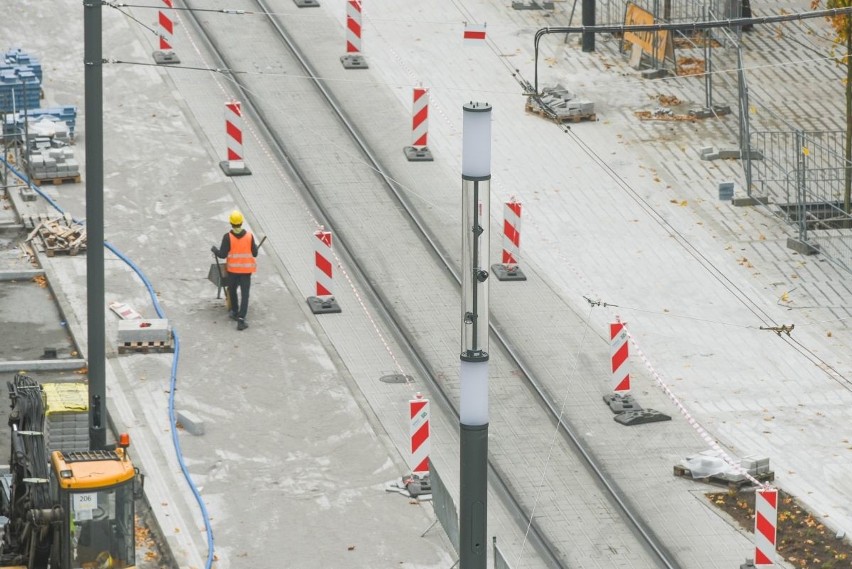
(92, 58)
(708, 69)
(571, 19)
(800, 186)
(655, 42)
(745, 134)
(5, 150)
(26, 127)
(473, 372)
(588, 20)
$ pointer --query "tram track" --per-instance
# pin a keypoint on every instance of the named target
(379, 299)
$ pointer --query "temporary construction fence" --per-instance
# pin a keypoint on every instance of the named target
(447, 516)
(611, 12)
(445, 507)
(802, 173)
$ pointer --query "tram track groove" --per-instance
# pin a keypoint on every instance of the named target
(385, 305)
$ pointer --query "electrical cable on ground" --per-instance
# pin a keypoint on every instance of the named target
(173, 375)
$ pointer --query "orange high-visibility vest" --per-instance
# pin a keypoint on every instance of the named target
(240, 259)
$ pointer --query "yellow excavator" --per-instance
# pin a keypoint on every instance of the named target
(63, 510)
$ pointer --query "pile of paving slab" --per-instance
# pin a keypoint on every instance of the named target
(45, 133)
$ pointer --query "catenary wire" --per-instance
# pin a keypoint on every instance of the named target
(740, 291)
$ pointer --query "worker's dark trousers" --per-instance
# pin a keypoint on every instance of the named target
(243, 282)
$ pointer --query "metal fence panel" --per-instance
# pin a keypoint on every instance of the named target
(500, 561)
(611, 12)
(803, 173)
(445, 508)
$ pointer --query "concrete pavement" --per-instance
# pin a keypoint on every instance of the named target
(583, 233)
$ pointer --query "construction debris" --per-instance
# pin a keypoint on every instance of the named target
(690, 66)
(125, 311)
(413, 486)
(668, 100)
(59, 236)
(663, 114)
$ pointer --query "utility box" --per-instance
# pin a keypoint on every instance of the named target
(66, 416)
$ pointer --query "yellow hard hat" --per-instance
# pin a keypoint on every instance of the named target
(236, 217)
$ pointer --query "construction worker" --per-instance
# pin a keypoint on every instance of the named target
(239, 248)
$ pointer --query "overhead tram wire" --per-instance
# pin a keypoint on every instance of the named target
(495, 476)
(706, 263)
(698, 25)
(228, 11)
(515, 73)
(693, 26)
(743, 298)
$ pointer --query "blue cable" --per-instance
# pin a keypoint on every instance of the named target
(172, 379)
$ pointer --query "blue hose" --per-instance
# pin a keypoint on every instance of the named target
(172, 379)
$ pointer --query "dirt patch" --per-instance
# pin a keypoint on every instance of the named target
(669, 100)
(802, 540)
(662, 116)
(695, 40)
(690, 66)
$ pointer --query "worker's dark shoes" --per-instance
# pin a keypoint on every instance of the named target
(232, 315)
(242, 324)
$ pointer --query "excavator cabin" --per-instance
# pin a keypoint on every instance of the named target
(63, 509)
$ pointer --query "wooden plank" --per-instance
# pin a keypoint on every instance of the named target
(57, 181)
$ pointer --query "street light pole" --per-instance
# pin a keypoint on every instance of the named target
(93, 78)
(473, 373)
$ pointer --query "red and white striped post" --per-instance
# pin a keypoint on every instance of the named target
(165, 54)
(765, 526)
(322, 263)
(620, 372)
(474, 34)
(509, 269)
(418, 151)
(324, 300)
(418, 412)
(235, 164)
(420, 118)
(353, 58)
(167, 30)
(512, 232)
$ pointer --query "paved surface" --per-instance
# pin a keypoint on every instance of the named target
(299, 430)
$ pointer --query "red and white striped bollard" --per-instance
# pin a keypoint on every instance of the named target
(765, 526)
(474, 34)
(418, 411)
(324, 301)
(620, 373)
(165, 54)
(418, 151)
(353, 58)
(512, 232)
(235, 164)
(509, 270)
